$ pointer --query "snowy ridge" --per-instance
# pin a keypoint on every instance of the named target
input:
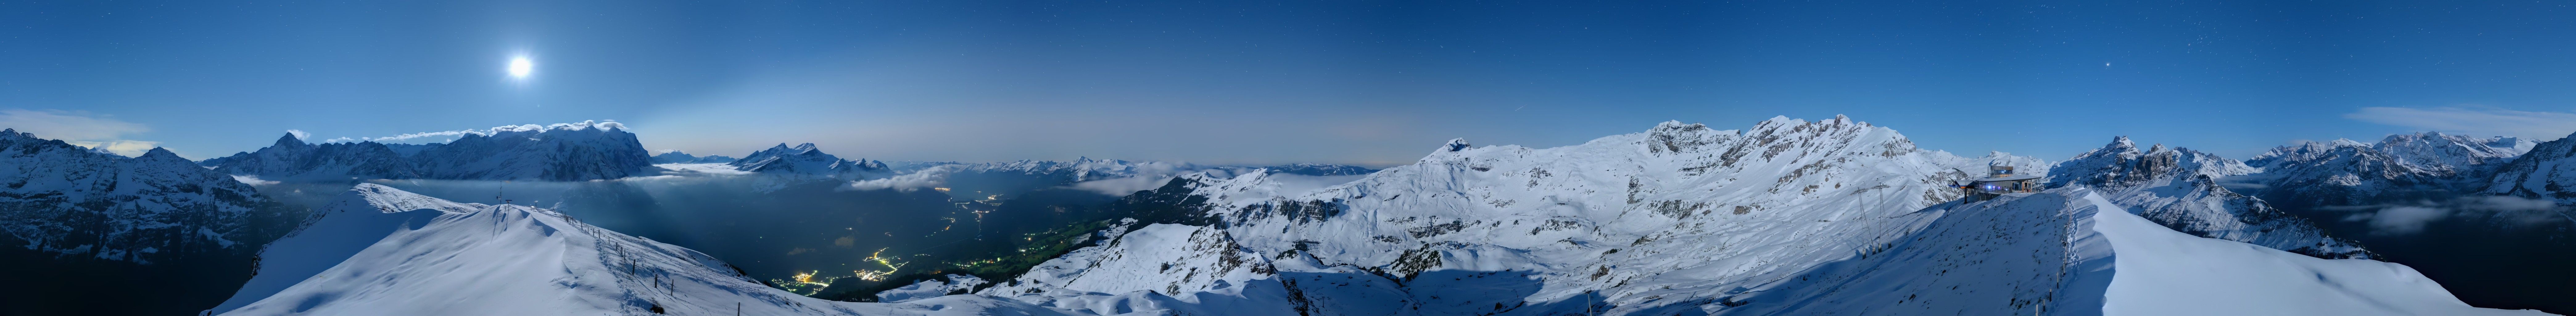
(424, 256)
(559, 152)
(2178, 188)
(2346, 172)
(73, 201)
(2547, 171)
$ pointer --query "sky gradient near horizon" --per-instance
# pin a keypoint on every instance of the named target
(1366, 82)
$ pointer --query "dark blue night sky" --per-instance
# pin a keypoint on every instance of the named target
(1245, 82)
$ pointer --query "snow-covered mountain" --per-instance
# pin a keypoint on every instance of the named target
(1681, 215)
(382, 251)
(73, 201)
(558, 152)
(2547, 171)
(2402, 166)
(1788, 218)
(806, 160)
(2179, 188)
(683, 157)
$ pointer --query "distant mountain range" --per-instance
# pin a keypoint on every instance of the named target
(2403, 166)
(559, 152)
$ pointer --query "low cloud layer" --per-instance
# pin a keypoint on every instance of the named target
(2474, 121)
(79, 129)
(2412, 218)
(1123, 186)
(129, 148)
(926, 178)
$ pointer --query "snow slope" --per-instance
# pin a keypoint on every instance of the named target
(424, 256)
(73, 201)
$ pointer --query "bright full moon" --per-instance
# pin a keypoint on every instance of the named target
(520, 66)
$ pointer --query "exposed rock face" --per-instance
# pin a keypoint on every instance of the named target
(560, 152)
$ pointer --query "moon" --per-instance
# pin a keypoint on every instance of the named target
(521, 67)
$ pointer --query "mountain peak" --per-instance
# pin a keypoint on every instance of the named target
(289, 141)
(1455, 144)
(13, 133)
(2121, 164)
(157, 152)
